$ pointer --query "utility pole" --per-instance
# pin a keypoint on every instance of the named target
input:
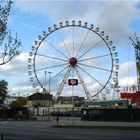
(49, 72)
(49, 92)
(44, 89)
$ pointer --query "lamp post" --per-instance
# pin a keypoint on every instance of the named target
(45, 82)
(49, 72)
(73, 105)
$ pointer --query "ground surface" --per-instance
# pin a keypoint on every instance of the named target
(44, 130)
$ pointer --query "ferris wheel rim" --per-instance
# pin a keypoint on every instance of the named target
(76, 59)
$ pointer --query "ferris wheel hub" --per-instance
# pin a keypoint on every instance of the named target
(73, 61)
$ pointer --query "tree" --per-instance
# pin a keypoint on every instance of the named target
(9, 46)
(21, 102)
(3, 91)
(4, 13)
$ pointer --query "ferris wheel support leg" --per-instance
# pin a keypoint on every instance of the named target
(62, 83)
(84, 86)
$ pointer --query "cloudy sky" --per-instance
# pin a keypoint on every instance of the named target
(28, 18)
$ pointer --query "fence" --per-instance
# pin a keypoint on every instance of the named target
(17, 113)
(116, 114)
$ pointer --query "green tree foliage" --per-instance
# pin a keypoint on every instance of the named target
(4, 13)
(21, 102)
(3, 91)
(9, 46)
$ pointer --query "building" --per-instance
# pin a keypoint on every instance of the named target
(76, 100)
(121, 103)
(40, 100)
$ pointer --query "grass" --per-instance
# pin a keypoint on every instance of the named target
(126, 128)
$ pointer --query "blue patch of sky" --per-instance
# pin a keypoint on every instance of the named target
(138, 5)
(27, 25)
(135, 26)
(129, 50)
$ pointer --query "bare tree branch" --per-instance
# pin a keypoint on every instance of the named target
(9, 46)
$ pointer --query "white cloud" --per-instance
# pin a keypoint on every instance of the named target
(116, 18)
(21, 89)
(16, 67)
(128, 81)
(112, 16)
(16, 74)
(127, 74)
(127, 69)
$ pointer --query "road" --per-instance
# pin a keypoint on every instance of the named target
(43, 130)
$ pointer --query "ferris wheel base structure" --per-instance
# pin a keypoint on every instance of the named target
(74, 50)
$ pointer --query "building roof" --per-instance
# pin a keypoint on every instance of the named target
(111, 102)
(40, 96)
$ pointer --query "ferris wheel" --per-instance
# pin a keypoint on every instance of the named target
(73, 50)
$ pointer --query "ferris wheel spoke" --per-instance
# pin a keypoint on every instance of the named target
(103, 94)
(94, 67)
(56, 49)
(83, 84)
(91, 76)
(63, 82)
(63, 42)
(51, 57)
(73, 39)
(84, 40)
(58, 73)
(54, 66)
(94, 57)
(90, 48)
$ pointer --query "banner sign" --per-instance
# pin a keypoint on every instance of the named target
(73, 82)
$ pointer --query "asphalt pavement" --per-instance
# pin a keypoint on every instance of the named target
(44, 130)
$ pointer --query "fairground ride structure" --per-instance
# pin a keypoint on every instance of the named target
(73, 51)
(135, 96)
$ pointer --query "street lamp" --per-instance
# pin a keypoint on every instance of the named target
(44, 89)
(49, 72)
(45, 76)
